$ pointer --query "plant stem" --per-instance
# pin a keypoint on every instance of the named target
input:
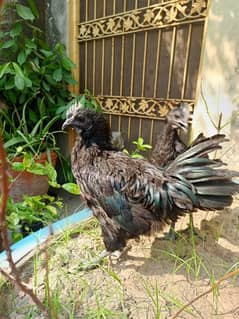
(214, 286)
(15, 277)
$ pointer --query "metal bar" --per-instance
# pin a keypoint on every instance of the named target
(157, 63)
(86, 10)
(86, 48)
(86, 65)
(122, 69)
(171, 61)
(93, 75)
(122, 58)
(140, 127)
(112, 66)
(132, 76)
(151, 132)
(119, 122)
(103, 55)
(112, 58)
(185, 72)
(94, 56)
(144, 62)
(129, 127)
(80, 39)
(133, 60)
(155, 83)
(132, 67)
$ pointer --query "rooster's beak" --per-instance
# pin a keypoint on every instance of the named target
(183, 126)
(66, 124)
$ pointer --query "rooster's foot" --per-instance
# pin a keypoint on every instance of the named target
(172, 234)
(98, 260)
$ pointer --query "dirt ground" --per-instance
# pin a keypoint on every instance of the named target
(154, 279)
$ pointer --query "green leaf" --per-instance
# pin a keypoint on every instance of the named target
(13, 141)
(28, 82)
(125, 151)
(8, 44)
(137, 156)
(57, 75)
(27, 160)
(54, 184)
(12, 96)
(33, 7)
(10, 84)
(69, 79)
(16, 30)
(37, 169)
(67, 63)
(18, 166)
(147, 146)
(4, 69)
(72, 188)
(47, 53)
(17, 68)
(30, 44)
(19, 82)
(51, 172)
(52, 209)
(21, 58)
(46, 86)
(24, 12)
(33, 116)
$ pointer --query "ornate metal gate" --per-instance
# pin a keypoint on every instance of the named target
(140, 57)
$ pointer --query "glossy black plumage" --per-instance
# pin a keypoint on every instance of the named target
(130, 196)
(169, 144)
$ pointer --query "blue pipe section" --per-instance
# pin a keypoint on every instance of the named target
(24, 246)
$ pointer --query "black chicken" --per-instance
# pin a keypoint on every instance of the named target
(131, 197)
(169, 145)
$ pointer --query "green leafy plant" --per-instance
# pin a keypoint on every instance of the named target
(33, 211)
(33, 72)
(30, 165)
(20, 137)
(140, 147)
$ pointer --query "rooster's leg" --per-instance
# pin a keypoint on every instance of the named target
(95, 262)
(171, 235)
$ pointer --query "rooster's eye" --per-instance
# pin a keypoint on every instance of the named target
(80, 119)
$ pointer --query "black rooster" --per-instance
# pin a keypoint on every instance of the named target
(169, 145)
(131, 197)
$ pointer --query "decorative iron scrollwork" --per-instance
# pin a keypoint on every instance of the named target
(155, 16)
(143, 107)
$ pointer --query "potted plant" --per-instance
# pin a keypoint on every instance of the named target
(25, 148)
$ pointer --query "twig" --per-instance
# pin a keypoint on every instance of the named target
(47, 281)
(15, 277)
(215, 285)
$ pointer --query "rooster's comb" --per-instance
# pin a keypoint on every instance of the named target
(74, 108)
